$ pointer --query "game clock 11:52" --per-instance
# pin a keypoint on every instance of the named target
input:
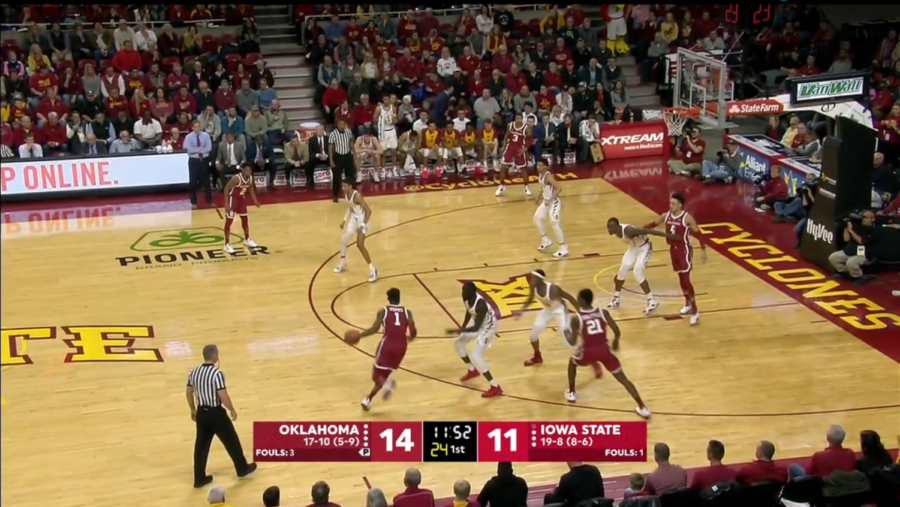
(748, 16)
(450, 441)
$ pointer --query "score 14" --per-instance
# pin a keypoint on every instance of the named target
(504, 441)
(396, 441)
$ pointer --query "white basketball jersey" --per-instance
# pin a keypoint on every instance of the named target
(545, 297)
(356, 210)
(385, 118)
(635, 242)
(489, 319)
(546, 188)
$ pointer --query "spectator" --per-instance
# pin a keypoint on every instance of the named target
(375, 497)
(262, 155)
(255, 123)
(54, 135)
(611, 73)
(332, 99)
(225, 98)
(40, 83)
(246, 98)
(249, 37)
(713, 42)
(272, 497)
(216, 497)
(185, 103)
(92, 147)
(37, 59)
(15, 83)
(58, 44)
(582, 482)
(667, 477)
(689, 155)
(658, 48)
(795, 208)
(124, 144)
(161, 108)
(846, 261)
(144, 38)
(102, 128)
(504, 489)
(669, 28)
(635, 487)
(147, 130)
(177, 79)
(842, 64)
(763, 469)
(486, 108)
(773, 191)
(260, 72)
(169, 42)
(413, 496)
(204, 97)
(230, 155)
(589, 134)
(874, 455)
(277, 121)
(716, 472)
(834, 457)
(619, 96)
(296, 156)
(123, 34)
(233, 124)
(30, 148)
(522, 98)
(120, 122)
(461, 491)
(726, 168)
(197, 76)
(211, 124)
(174, 138)
(191, 42)
(51, 104)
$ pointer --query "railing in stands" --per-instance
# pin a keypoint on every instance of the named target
(16, 27)
(474, 9)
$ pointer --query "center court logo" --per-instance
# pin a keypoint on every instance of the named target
(507, 296)
(186, 246)
(438, 186)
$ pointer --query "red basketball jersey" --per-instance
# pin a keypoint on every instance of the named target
(677, 225)
(240, 190)
(395, 324)
(517, 137)
(593, 329)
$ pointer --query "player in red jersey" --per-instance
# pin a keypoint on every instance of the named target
(680, 223)
(515, 152)
(590, 323)
(236, 191)
(395, 320)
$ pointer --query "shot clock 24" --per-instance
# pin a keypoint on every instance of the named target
(748, 16)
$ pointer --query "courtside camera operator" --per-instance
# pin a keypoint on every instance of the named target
(856, 250)
(799, 207)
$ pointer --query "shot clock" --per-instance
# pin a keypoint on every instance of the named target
(449, 441)
(748, 16)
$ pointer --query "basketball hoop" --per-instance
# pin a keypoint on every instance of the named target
(676, 118)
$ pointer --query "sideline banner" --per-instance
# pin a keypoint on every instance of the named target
(637, 139)
(75, 175)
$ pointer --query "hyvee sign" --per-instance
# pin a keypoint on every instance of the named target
(829, 87)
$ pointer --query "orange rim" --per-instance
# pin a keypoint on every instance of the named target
(683, 111)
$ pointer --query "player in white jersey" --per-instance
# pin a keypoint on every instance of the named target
(356, 222)
(549, 205)
(552, 298)
(483, 331)
(386, 119)
(368, 149)
(408, 153)
(640, 248)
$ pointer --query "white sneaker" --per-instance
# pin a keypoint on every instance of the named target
(500, 190)
(366, 404)
(570, 396)
(684, 311)
(376, 176)
(228, 248)
(359, 177)
(643, 412)
(896, 293)
(373, 276)
(614, 302)
(545, 244)
(651, 305)
(340, 267)
(250, 243)
(562, 252)
(527, 191)
(388, 389)
(396, 174)
(695, 318)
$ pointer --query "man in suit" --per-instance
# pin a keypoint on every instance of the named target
(582, 482)
(566, 139)
(296, 156)
(229, 157)
(439, 105)
(318, 147)
(92, 147)
(262, 155)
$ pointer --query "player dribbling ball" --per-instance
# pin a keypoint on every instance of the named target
(352, 337)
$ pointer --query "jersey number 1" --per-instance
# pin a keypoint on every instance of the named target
(396, 319)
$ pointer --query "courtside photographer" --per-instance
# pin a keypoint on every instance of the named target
(857, 232)
(726, 166)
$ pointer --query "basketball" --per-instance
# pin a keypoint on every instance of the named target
(352, 337)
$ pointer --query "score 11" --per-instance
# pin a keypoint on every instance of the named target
(503, 441)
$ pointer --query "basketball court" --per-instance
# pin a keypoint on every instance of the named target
(90, 418)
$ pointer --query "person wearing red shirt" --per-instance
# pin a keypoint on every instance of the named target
(41, 81)
(413, 496)
(576, 14)
(55, 135)
(127, 58)
(353, 32)
(414, 44)
(362, 115)
(201, 12)
(502, 60)
(237, 15)
(184, 102)
(225, 98)
(467, 21)
(468, 62)
(883, 101)
(434, 42)
(409, 67)
(178, 14)
(545, 100)
(705, 25)
(19, 110)
(380, 46)
(800, 137)
(716, 472)
(689, 156)
(427, 22)
(762, 469)
(153, 80)
(70, 87)
(433, 84)
(177, 79)
(552, 78)
(406, 27)
(476, 84)
(428, 63)
(133, 81)
(175, 138)
(775, 190)
(892, 209)
(25, 129)
(515, 78)
(560, 54)
(344, 113)
(116, 103)
(332, 99)
(889, 135)
(6, 135)
(51, 104)
(833, 458)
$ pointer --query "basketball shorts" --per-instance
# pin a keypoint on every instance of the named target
(617, 27)
(483, 338)
(551, 316)
(682, 258)
(549, 210)
(455, 152)
(635, 258)
(431, 153)
(603, 355)
(514, 159)
(238, 205)
(388, 358)
(357, 225)
(388, 138)
(490, 148)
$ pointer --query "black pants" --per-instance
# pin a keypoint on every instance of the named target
(198, 170)
(344, 168)
(215, 422)
(270, 168)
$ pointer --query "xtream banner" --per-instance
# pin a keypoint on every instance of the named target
(835, 87)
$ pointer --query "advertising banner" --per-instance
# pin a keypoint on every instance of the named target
(818, 240)
(754, 166)
(638, 139)
(74, 175)
(825, 87)
(794, 171)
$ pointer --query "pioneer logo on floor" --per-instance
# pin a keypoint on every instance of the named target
(188, 246)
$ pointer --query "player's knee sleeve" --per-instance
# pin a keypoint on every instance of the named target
(460, 345)
(623, 271)
(639, 273)
(477, 358)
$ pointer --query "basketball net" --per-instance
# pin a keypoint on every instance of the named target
(676, 118)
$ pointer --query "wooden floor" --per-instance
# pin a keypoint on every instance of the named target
(97, 433)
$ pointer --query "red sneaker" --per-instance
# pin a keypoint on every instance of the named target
(537, 359)
(598, 370)
(469, 375)
(493, 391)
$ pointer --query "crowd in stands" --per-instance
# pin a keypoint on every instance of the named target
(835, 474)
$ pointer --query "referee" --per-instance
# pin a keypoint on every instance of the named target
(206, 394)
(340, 154)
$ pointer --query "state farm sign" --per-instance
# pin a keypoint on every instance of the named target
(752, 107)
(640, 139)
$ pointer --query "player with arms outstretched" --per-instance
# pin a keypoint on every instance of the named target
(483, 331)
(680, 224)
(236, 191)
(553, 299)
(640, 248)
(395, 320)
(515, 152)
(356, 222)
(591, 324)
(549, 206)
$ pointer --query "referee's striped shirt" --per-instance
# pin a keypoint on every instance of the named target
(341, 141)
(207, 380)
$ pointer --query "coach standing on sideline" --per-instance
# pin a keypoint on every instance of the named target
(198, 145)
(206, 394)
(340, 153)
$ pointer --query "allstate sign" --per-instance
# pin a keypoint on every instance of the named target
(753, 165)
